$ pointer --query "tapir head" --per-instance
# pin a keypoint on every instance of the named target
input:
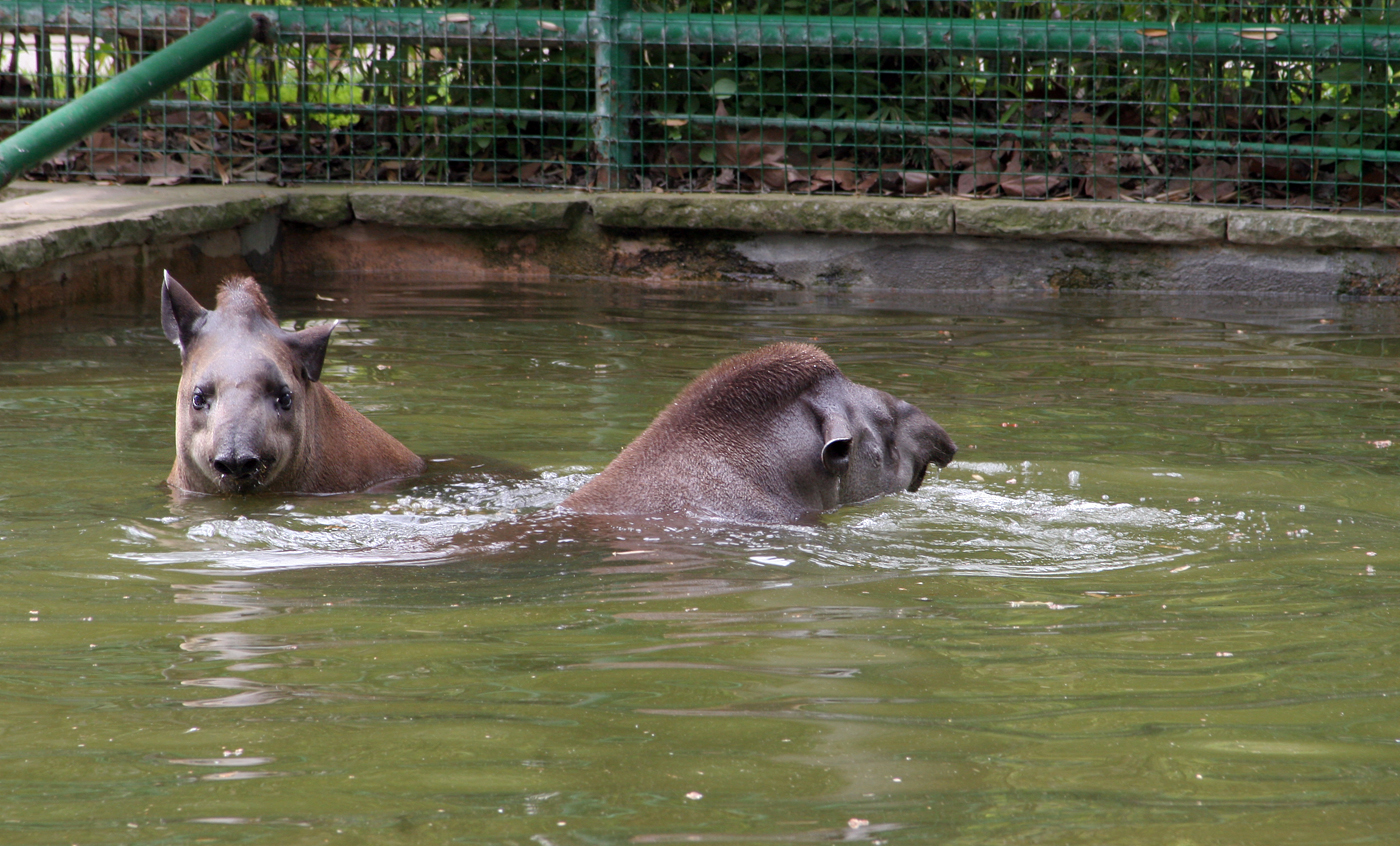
(244, 406)
(872, 443)
(775, 435)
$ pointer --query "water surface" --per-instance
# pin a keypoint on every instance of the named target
(1153, 600)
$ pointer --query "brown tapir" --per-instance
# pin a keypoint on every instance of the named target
(776, 435)
(252, 415)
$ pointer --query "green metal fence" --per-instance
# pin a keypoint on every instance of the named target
(1272, 104)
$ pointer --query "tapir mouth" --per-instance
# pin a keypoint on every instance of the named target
(918, 478)
(241, 484)
(943, 456)
(248, 480)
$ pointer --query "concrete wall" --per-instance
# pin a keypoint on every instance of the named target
(63, 245)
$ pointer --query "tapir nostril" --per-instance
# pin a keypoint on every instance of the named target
(239, 466)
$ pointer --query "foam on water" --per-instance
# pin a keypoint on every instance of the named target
(972, 528)
(953, 525)
(416, 528)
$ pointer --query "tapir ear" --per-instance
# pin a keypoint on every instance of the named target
(180, 313)
(836, 456)
(836, 434)
(309, 345)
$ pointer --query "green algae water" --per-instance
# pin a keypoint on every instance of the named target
(1154, 600)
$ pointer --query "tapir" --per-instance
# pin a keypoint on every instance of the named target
(252, 415)
(776, 435)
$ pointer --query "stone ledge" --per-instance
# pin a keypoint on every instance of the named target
(466, 208)
(775, 213)
(42, 223)
(67, 221)
(1091, 221)
(320, 207)
(1365, 230)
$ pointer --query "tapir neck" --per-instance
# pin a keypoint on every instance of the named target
(343, 451)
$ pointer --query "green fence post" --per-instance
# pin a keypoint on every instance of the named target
(613, 88)
(69, 124)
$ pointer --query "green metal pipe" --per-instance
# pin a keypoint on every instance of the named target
(1039, 135)
(60, 129)
(1038, 39)
(612, 86)
(453, 26)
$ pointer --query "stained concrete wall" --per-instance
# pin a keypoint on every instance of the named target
(62, 245)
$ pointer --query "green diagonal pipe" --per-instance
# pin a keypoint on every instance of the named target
(64, 127)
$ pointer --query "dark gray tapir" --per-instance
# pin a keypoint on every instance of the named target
(776, 435)
(252, 414)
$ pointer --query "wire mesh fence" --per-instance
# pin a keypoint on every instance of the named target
(1266, 104)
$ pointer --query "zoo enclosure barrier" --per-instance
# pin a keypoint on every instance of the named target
(1268, 104)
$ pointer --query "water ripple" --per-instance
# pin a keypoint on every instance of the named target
(955, 525)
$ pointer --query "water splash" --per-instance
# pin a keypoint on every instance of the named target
(417, 528)
(973, 528)
(964, 525)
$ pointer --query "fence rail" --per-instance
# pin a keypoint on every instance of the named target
(1269, 104)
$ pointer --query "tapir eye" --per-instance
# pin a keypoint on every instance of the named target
(200, 400)
(284, 399)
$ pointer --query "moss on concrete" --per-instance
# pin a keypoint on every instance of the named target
(1314, 229)
(464, 208)
(320, 207)
(1090, 221)
(775, 213)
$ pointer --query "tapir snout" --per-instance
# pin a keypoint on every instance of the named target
(935, 446)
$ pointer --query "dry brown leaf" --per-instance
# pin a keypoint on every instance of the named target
(1013, 164)
(1285, 169)
(1103, 188)
(984, 172)
(1030, 185)
(952, 152)
(842, 173)
(167, 172)
(1102, 175)
(1215, 181)
(912, 183)
(752, 149)
(680, 159)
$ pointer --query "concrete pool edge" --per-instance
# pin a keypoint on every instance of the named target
(66, 244)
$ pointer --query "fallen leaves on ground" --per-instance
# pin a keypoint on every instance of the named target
(1072, 153)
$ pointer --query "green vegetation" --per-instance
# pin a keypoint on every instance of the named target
(1139, 110)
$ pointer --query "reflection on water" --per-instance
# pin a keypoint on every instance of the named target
(1150, 602)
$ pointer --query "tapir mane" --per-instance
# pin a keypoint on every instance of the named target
(243, 294)
(749, 388)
